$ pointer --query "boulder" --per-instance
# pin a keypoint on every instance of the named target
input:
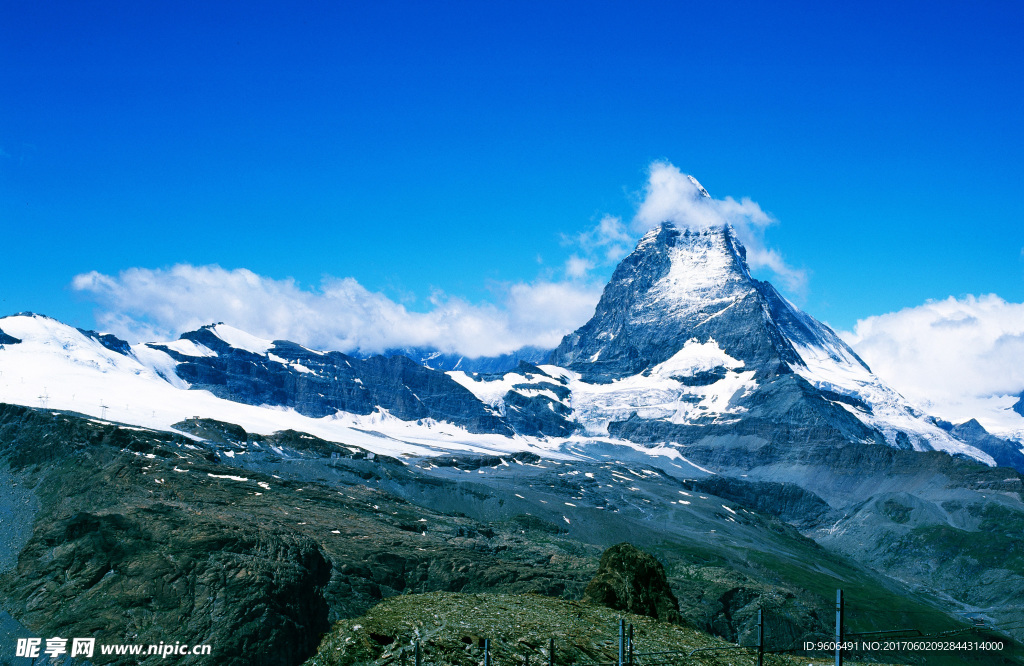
(631, 580)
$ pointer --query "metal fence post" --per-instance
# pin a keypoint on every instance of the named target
(551, 652)
(630, 640)
(839, 628)
(760, 637)
(419, 657)
(487, 652)
(622, 639)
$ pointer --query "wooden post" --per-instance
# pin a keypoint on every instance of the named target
(419, 658)
(551, 652)
(629, 638)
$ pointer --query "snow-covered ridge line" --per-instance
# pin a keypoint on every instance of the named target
(683, 338)
(58, 367)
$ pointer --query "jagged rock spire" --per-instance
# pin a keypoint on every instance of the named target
(683, 284)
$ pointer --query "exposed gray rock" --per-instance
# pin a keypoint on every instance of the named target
(1005, 453)
(111, 342)
(787, 501)
(330, 382)
(438, 360)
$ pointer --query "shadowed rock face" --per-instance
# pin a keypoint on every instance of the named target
(8, 339)
(331, 382)
(634, 581)
(159, 571)
(678, 285)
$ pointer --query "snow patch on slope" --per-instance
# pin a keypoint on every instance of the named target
(890, 412)
(188, 348)
(489, 391)
(702, 274)
(241, 340)
(695, 357)
(660, 393)
(492, 390)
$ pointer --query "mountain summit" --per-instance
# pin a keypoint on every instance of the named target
(681, 285)
(780, 374)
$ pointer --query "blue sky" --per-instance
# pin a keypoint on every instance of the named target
(446, 155)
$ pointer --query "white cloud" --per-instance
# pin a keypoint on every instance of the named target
(603, 245)
(577, 267)
(947, 354)
(156, 304)
(672, 196)
(609, 239)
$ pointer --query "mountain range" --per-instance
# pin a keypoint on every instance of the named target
(698, 412)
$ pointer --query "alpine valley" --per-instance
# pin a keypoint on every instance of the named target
(246, 493)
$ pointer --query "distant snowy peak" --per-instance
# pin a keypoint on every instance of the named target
(700, 188)
(239, 339)
(65, 358)
(221, 336)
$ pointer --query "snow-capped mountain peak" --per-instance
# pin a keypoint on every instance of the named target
(683, 286)
(676, 285)
(700, 188)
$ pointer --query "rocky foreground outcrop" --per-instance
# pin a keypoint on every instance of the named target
(634, 581)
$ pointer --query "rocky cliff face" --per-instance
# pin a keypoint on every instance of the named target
(680, 285)
(8, 339)
(677, 285)
(321, 384)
